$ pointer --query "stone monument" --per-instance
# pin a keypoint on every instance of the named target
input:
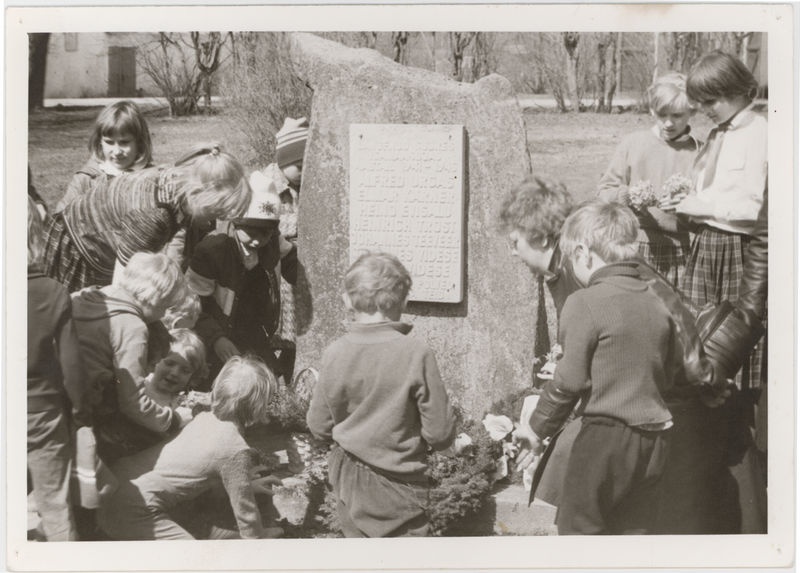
(475, 304)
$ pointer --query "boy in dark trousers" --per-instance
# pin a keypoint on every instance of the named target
(620, 353)
(381, 401)
(235, 274)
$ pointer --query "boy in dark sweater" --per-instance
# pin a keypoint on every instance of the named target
(620, 352)
(381, 401)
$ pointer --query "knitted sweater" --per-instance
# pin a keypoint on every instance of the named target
(380, 397)
(645, 156)
(137, 211)
(207, 451)
(619, 346)
(54, 360)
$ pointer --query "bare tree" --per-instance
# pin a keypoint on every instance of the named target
(263, 90)
(571, 40)
(458, 43)
(606, 79)
(399, 41)
(484, 56)
(207, 55)
(172, 67)
(37, 68)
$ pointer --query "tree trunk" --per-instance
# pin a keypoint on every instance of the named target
(602, 48)
(571, 40)
(37, 62)
(614, 72)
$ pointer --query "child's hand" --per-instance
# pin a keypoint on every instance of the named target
(284, 245)
(225, 349)
(668, 203)
(184, 415)
(694, 207)
(531, 446)
(263, 484)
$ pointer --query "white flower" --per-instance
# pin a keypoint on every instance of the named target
(498, 426)
(461, 442)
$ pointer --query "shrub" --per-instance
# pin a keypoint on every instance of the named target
(262, 90)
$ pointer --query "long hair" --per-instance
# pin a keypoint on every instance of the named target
(212, 184)
(122, 117)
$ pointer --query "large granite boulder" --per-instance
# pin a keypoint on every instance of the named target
(484, 344)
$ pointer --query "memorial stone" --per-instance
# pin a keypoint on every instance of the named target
(482, 333)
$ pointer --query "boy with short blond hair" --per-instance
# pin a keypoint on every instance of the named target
(620, 352)
(381, 401)
(656, 156)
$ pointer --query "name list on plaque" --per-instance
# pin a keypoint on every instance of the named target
(407, 198)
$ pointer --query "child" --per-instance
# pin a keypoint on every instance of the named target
(287, 172)
(183, 315)
(56, 379)
(731, 178)
(186, 361)
(381, 402)
(210, 450)
(141, 211)
(532, 215)
(111, 323)
(235, 275)
(619, 348)
(120, 141)
(654, 156)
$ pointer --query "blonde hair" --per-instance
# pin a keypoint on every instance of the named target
(189, 308)
(212, 184)
(667, 94)
(35, 234)
(242, 391)
(122, 117)
(607, 228)
(377, 282)
(536, 207)
(153, 280)
(187, 344)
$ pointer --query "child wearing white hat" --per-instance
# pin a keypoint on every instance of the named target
(235, 273)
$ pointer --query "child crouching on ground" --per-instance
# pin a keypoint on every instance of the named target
(209, 450)
(186, 361)
(381, 401)
(618, 341)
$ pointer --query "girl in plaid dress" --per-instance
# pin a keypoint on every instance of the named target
(731, 174)
(141, 211)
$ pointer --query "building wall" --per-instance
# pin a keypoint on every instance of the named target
(77, 65)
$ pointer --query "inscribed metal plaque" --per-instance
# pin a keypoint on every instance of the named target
(407, 198)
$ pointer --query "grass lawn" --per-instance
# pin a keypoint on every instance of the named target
(574, 148)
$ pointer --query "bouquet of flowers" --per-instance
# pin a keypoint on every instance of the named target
(676, 185)
(640, 195)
